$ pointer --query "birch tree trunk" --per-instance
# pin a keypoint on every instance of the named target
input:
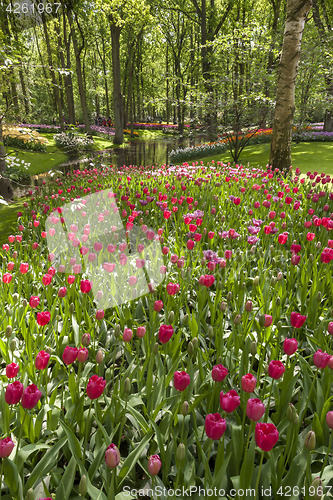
(280, 155)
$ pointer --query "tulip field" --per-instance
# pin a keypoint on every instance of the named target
(167, 331)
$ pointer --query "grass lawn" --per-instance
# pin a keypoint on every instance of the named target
(307, 156)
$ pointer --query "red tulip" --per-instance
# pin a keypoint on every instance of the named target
(70, 279)
(295, 259)
(12, 370)
(6, 447)
(158, 305)
(69, 355)
(24, 267)
(47, 278)
(190, 244)
(215, 426)
(62, 292)
(268, 320)
(13, 393)
(165, 333)
(100, 314)
(255, 409)
(173, 288)
(276, 369)
(85, 341)
(329, 419)
(181, 380)
(310, 236)
(141, 331)
(30, 397)
(290, 346)
(327, 255)
(154, 465)
(229, 401)
(295, 248)
(330, 327)
(321, 359)
(248, 383)
(219, 373)
(112, 455)
(43, 318)
(7, 278)
(82, 354)
(34, 301)
(95, 387)
(282, 238)
(42, 360)
(266, 436)
(85, 286)
(297, 320)
(127, 335)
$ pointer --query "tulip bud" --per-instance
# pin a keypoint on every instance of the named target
(278, 301)
(280, 276)
(229, 297)
(195, 343)
(9, 331)
(210, 332)
(185, 320)
(180, 453)
(71, 308)
(24, 303)
(318, 245)
(171, 317)
(15, 297)
(238, 319)
(248, 306)
(272, 248)
(223, 306)
(127, 386)
(117, 331)
(30, 494)
(185, 408)
(190, 348)
(296, 420)
(256, 281)
(273, 280)
(291, 412)
(311, 257)
(13, 345)
(83, 489)
(85, 341)
(319, 297)
(9, 312)
(253, 348)
(99, 357)
(310, 440)
(155, 349)
(223, 219)
(317, 488)
(48, 350)
(262, 320)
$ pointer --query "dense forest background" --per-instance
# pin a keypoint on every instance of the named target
(184, 61)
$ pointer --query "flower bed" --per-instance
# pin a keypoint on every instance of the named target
(23, 138)
(261, 136)
(212, 366)
(72, 142)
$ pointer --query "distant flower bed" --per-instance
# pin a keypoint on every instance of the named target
(100, 129)
(72, 142)
(43, 127)
(23, 138)
(128, 132)
(261, 136)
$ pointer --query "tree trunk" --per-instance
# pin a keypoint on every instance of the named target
(54, 82)
(117, 95)
(77, 53)
(6, 189)
(280, 155)
(68, 78)
(328, 123)
(167, 86)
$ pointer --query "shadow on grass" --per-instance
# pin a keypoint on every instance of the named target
(8, 219)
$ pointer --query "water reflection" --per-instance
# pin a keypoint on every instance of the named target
(137, 152)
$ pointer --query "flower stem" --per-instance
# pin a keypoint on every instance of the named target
(207, 463)
(326, 456)
(260, 466)
(86, 432)
(20, 434)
